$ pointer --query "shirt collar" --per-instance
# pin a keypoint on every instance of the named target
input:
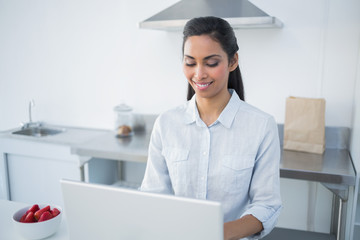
(226, 117)
(192, 112)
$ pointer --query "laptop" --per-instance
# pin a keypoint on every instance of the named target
(95, 211)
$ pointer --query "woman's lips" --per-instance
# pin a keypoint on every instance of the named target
(202, 86)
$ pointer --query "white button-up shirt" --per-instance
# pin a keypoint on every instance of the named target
(234, 161)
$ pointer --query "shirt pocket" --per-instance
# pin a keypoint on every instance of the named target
(177, 162)
(237, 173)
(173, 154)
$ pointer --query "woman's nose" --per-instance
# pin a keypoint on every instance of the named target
(200, 72)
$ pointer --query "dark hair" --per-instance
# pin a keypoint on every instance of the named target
(220, 31)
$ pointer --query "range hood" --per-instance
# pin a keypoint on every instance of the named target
(239, 13)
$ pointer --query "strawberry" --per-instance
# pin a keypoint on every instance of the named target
(45, 216)
(33, 209)
(38, 213)
(22, 219)
(30, 218)
(55, 212)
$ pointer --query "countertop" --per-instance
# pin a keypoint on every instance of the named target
(108, 146)
(334, 166)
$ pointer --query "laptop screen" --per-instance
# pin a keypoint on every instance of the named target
(95, 211)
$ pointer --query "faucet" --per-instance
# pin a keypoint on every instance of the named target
(30, 123)
(31, 104)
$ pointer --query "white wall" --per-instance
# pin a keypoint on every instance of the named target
(79, 58)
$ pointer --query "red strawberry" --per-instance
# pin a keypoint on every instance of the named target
(33, 209)
(38, 213)
(45, 216)
(30, 218)
(55, 212)
(22, 219)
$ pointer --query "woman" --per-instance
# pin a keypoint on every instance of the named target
(216, 146)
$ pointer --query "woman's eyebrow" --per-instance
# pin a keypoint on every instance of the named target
(205, 58)
(211, 56)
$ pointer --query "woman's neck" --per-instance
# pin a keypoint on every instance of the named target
(211, 108)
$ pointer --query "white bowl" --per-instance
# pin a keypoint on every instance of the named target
(36, 230)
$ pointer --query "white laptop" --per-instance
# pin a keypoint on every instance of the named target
(95, 212)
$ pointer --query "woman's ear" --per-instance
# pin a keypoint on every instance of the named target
(234, 62)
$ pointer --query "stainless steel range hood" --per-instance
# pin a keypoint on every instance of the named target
(239, 13)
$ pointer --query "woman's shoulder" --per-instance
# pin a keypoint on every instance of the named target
(254, 111)
(174, 114)
(252, 117)
(247, 109)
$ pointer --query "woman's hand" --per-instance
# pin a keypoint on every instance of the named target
(246, 226)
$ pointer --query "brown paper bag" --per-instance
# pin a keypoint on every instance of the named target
(304, 127)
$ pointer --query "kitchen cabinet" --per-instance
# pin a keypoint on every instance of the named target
(36, 179)
(31, 167)
(34, 170)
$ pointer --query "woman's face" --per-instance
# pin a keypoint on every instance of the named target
(206, 66)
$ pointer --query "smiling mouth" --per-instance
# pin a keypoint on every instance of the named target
(202, 86)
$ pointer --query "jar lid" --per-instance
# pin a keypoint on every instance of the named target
(122, 108)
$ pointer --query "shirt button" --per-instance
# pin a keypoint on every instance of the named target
(204, 153)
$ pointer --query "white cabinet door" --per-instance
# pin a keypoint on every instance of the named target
(36, 179)
(30, 169)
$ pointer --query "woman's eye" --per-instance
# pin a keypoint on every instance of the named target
(190, 64)
(213, 64)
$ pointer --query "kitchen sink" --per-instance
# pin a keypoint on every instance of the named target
(38, 131)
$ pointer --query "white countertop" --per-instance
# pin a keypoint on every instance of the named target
(7, 231)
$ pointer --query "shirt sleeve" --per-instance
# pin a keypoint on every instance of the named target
(156, 178)
(264, 191)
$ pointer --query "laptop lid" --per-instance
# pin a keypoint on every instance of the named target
(95, 211)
